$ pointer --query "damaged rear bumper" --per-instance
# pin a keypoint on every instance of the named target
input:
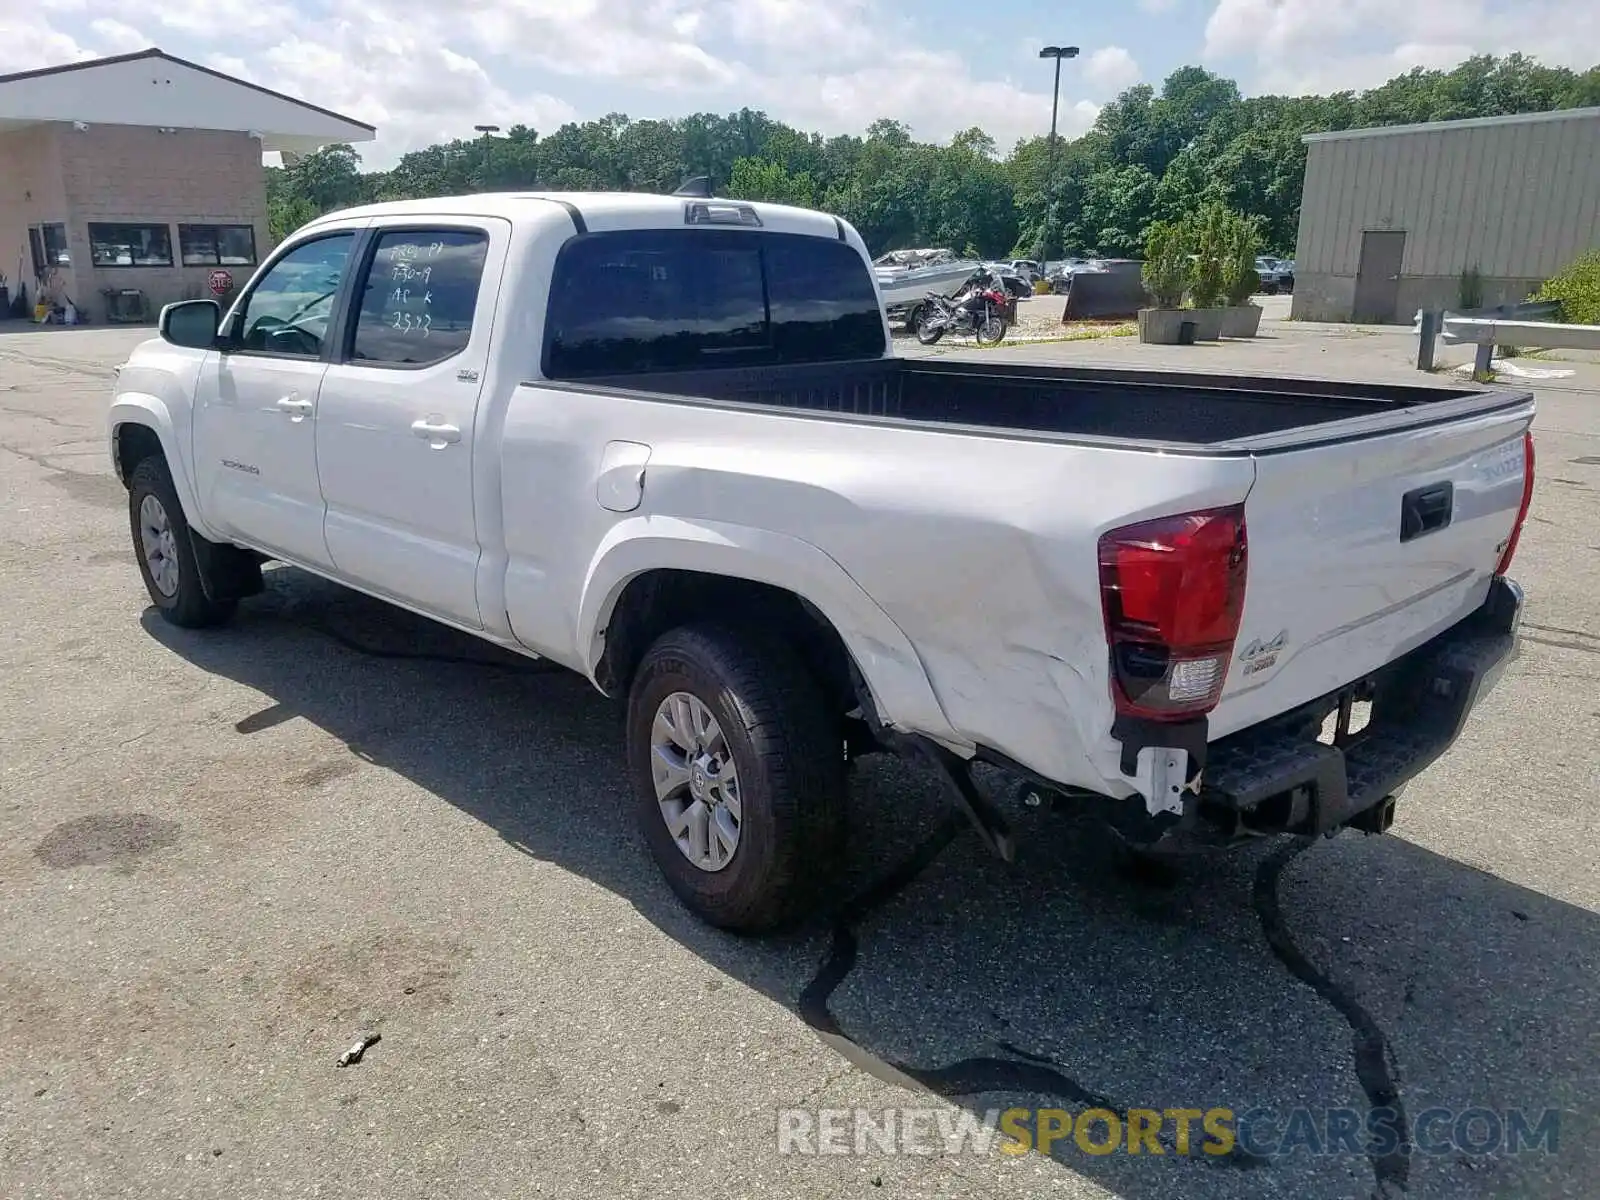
(1278, 777)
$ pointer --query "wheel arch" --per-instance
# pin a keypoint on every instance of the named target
(655, 575)
(142, 426)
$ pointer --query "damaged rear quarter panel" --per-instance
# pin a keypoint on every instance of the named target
(980, 549)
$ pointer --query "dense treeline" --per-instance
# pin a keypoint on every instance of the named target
(1152, 155)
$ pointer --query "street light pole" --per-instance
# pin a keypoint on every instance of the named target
(1057, 53)
(486, 130)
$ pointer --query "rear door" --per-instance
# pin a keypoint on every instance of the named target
(397, 409)
(1361, 550)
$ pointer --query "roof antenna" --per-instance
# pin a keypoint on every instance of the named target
(698, 186)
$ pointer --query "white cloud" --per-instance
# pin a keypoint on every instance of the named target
(934, 93)
(422, 71)
(117, 37)
(1302, 46)
(1110, 69)
(27, 42)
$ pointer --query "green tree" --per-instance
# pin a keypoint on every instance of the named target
(1154, 154)
(758, 179)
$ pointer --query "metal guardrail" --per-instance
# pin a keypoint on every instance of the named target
(1525, 324)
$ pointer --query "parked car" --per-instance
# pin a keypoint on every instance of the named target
(1060, 274)
(1017, 285)
(1277, 274)
(779, 546)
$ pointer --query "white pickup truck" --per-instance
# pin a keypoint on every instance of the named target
(663, 441)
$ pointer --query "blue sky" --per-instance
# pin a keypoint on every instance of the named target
(423, 70)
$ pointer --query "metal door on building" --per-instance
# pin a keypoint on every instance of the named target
(1378, 276)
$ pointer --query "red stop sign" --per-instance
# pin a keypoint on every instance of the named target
(220, 282)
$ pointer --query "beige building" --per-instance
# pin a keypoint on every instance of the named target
(130, 182)
(1392, 216)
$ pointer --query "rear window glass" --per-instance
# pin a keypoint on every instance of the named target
(671, 299)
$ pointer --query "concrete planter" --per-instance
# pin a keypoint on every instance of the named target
(1207, 323)
(1241, 322)
(1161, 326)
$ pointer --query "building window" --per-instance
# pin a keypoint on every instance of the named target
(217, 245)
(47, 245)
(130, 245)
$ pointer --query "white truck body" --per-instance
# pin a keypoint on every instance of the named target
(956, 561)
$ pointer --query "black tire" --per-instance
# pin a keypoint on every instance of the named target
(188, 605)
(926, 336)
(990, 330)
(788, 751)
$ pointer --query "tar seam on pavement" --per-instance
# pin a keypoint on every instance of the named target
(1028, 1073)
(1373, 1056)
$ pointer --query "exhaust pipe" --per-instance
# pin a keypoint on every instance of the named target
(1377, 819)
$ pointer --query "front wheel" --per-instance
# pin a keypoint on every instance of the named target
(738, 775)
(166, 555)
(991, 329)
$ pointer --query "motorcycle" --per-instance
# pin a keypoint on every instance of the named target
(979, 309)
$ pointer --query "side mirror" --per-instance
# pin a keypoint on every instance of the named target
(191, 323)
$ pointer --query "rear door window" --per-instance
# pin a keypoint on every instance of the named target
(668, 299)
(419, 296)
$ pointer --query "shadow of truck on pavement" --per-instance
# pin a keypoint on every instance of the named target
(1354, 973)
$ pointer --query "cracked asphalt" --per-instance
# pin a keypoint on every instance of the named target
(224, 856)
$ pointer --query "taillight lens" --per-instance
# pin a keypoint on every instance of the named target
(1173, 592)
(1510, 551)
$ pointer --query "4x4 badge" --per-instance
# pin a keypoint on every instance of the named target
(1260, 655)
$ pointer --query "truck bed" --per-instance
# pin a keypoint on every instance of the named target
(1150, 408)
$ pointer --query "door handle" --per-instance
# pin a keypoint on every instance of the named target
(297, 408)
(437, 434)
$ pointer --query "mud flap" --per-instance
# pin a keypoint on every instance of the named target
(226, 572)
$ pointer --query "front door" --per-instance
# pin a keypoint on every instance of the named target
(1378, 276)
(254, 431)
(395, 426)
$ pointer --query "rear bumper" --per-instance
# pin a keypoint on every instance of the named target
(1278, 777)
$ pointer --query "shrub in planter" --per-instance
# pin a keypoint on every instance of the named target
(1241, 319)
(1210, 238)
(1166, 276)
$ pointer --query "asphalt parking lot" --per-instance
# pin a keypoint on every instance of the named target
(224, 855)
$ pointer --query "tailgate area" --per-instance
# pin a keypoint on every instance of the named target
(1362, 551)
(1287, 775)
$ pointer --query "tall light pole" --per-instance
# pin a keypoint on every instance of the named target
(1057, 53)
(486, 130)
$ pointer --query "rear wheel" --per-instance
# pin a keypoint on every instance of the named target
(166, 555)
(927, 332)
(738, 775)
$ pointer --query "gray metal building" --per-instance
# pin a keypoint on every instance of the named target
(1391, 217)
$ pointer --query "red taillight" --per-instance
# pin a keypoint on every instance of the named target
(1510, 551)
(1173, 593)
